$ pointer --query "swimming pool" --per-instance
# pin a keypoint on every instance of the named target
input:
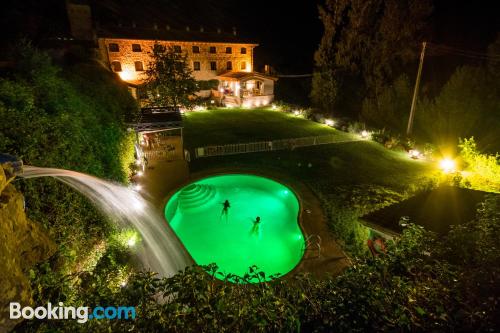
(234, 241)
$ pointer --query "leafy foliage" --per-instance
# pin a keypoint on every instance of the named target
(423, 283)
(372, 39)
(483, 170)
(169, 78)
(71, 117)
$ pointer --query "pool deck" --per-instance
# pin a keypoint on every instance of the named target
(161, 180)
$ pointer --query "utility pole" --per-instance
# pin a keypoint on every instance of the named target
(415, 91)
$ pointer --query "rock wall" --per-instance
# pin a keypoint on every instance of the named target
(23, 243)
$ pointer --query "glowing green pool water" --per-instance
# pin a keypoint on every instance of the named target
(234, 242)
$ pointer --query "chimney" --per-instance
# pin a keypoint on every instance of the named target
(187, 28)
(202, 29)
(234, 31)
(219, 30)
(134, 25)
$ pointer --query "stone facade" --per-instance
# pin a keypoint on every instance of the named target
(22, 244)
(114, 51)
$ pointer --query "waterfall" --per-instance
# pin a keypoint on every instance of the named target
(160, 251)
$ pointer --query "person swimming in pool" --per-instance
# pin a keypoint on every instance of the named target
(225, 207)
(256, 223)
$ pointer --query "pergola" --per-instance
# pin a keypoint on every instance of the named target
(159, 134)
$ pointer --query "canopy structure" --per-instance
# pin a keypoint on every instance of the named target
(247, 89)
(159, 134)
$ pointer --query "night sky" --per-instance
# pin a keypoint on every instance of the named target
(288, 31)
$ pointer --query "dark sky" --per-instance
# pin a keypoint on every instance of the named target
(288, 31)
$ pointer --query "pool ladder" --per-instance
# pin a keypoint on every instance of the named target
(313, 242)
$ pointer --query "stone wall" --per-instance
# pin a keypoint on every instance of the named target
(127, 57)
(23, 243)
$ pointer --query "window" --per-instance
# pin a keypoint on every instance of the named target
(139, 67)
(243, 50)
(177, 49)
(243, 65)
(196, 66)
(196, 49)
(116, 66)
(229, 65)
(213, 49)
(213, 66)
(136, 48)
(113, 47)
(229, 50)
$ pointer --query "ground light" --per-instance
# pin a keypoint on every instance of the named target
(329, 122)
(415, 154)
(447, 165)
(365, 134)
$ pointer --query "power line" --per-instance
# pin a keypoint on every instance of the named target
(465, 53)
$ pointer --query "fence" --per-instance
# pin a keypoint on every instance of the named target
(253, 147)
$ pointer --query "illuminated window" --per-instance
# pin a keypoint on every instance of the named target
(139, 67)
(113, 47)
(196, 49)
(177, 49)
(213, 49)
(196, 66)
(243, 50)
(116, 66)
(136, 48)
(229, 65)
(213, 66)
(243, 65)
(229, 50)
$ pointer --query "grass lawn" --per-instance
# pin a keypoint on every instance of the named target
(224, 126)
(351, 179)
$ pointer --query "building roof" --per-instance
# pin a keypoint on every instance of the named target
(163, 34)
(435, 210)
(244, 76)
(152, 118)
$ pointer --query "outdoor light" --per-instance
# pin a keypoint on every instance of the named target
(364, 134)
(126, 75)
(296, 112)
(329, 122)
(138, 162)
(273, 107)
(447, 165)
(140, 173)
(131, 241)
(123, 284)
(221, 90)
(415, 154)
(212, 101)
(137, 187)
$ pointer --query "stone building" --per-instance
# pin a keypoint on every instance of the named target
(212, 55)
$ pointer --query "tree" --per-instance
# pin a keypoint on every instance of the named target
(169, 79)
(374, 39)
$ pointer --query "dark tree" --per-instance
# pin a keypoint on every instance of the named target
(372, 39)
(169, 79)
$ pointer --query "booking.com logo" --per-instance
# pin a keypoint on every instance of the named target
(82, 314)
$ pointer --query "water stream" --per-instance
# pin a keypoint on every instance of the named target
(160, 250)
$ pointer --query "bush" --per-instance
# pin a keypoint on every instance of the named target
(71, 118)
(423, 283)
(483, 169)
